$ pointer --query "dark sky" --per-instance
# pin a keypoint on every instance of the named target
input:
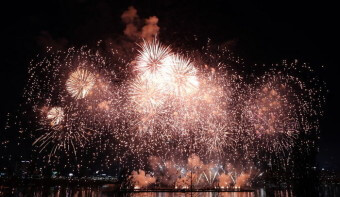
(266, 32)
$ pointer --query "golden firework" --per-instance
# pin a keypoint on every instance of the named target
(80, 83)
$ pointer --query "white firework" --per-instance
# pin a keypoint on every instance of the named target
(180, 76)
(152, 57)
(55, 115)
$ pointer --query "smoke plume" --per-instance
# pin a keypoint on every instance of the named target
(242, 179)
(149, 29)
(194, 162)
(141, 180)
(196, 173)
(224, 180)
(166, 172)
(186, 181)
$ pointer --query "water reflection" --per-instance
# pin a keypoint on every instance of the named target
(194, 194)
(59, 191)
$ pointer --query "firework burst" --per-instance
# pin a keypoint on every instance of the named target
(173, 105)
(180, 77)
(55, 115)
(80, 83)
(146, 95)
(273, 112)
(152, 56)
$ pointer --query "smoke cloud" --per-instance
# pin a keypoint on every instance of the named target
(187, 181)
(149, 29)
(194, 173)
(195, 162)
(166, 172)
(130, 18)
(242, 180)
(141, 180)
(130, 15)
(224, 180)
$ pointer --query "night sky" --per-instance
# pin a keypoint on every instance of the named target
(266, 32)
